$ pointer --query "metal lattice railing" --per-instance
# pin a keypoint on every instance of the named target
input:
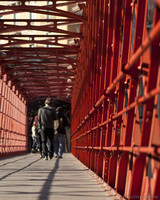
(115, 101)
(13, 121)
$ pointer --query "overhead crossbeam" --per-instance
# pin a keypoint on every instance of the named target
(42, 46)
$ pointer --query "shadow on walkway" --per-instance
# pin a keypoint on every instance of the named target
(29, 177)
(18, 170)
(44, 193)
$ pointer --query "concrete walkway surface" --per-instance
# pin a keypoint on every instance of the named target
(27, 177)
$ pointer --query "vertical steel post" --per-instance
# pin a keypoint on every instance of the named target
(108, 134)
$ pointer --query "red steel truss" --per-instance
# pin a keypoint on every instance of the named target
(116, 99)
(40, 64)
(39, 45)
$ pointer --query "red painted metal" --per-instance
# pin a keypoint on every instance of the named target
(29, 72)
(113, 68)
(13, 118)
(51, 61)
(117, 147)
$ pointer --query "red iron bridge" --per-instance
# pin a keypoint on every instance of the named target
(102, 57)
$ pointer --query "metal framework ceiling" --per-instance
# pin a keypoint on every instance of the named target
(38, 55)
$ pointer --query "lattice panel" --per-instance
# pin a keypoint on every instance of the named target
(115, 101)
(13, 121)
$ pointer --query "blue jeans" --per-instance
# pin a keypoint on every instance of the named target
(59, 144)
(33, 142)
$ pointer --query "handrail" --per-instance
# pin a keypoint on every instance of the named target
(145, 45)
(140, 100)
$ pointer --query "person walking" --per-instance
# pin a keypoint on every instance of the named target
(39, 144)
(34, 138)
(46, 117)
(60, 133)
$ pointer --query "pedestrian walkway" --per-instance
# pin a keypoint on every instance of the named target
(29, 177)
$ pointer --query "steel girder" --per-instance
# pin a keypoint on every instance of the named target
(116, 98)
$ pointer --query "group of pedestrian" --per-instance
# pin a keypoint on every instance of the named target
(50, 131)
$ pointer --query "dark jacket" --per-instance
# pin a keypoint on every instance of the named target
(46, 117)
(65, 122)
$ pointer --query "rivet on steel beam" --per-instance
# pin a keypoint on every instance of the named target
(132, 4)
